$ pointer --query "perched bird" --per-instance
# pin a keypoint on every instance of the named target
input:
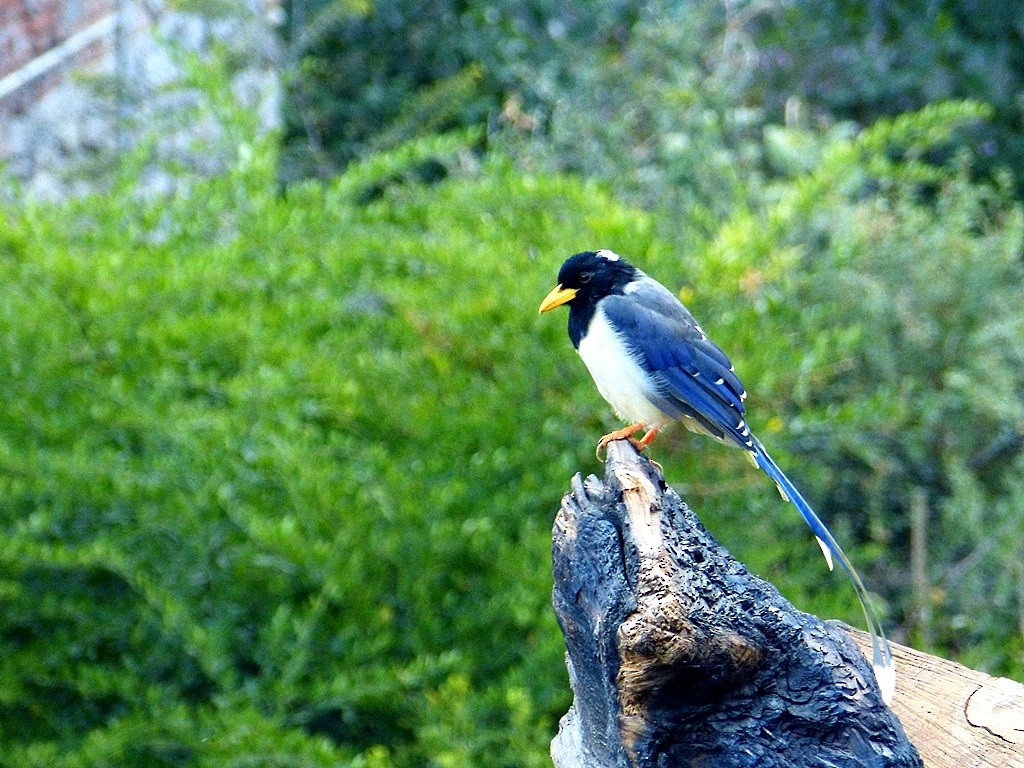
(654, 365)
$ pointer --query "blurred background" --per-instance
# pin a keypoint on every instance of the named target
(282, 436)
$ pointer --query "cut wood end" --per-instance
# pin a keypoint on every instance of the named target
(998, 707)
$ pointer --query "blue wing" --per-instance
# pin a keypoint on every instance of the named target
(693, 378)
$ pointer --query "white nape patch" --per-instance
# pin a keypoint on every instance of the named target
(618, 376)
(604, 253)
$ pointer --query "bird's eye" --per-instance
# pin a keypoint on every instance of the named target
(585, 277)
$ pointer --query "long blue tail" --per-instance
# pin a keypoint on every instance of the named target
(881, 655)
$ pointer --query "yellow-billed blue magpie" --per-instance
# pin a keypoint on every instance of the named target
(654, 365)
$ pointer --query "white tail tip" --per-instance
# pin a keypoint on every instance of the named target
(826, 552)
(885, 674)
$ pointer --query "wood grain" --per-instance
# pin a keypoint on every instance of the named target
(956, 716)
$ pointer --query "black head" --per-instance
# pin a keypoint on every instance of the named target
(595, 273)
(588, 276)
(584, 279)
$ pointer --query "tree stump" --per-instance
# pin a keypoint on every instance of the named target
(679, 656)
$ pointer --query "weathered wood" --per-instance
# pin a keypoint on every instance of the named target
(957, 717)
(679, 656)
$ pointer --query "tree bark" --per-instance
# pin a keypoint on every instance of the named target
(679, 656)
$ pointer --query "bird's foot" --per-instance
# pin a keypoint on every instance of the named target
(626, 433)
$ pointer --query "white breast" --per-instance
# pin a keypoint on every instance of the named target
(618, 376)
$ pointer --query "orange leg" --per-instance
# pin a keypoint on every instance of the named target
(646, 439)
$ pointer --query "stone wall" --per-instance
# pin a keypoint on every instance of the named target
(31, 28)
(62, 133)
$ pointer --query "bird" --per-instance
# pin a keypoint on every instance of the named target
(654, 364)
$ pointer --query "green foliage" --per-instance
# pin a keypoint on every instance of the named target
(647, 97)
(678, 105)
(855, 61)
(659, 117)
(274, 471)
(367, 76)
(900, 285)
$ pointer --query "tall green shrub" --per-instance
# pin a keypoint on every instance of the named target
(862, 61)
(364, 77)
(277, 474)
(901, 299)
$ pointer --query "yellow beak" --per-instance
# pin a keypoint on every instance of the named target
(557, 298)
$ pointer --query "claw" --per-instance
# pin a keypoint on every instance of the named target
(621, 434)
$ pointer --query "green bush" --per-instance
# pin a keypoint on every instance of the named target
(849, 60)
(900, 292)
(278, 475)
(676, 105)
(366, 76)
